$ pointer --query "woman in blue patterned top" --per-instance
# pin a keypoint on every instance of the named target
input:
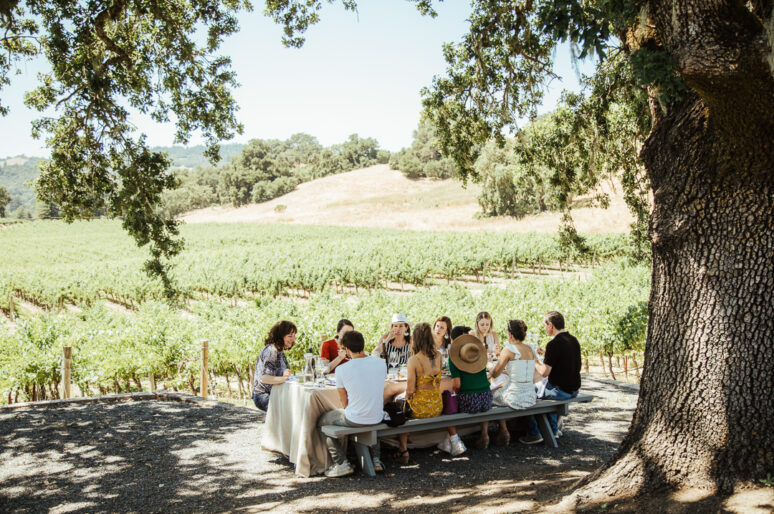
(272, 366)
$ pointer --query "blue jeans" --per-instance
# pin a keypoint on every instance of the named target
(261, 401)
(548, 391)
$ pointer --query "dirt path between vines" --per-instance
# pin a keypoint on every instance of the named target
(154, 456)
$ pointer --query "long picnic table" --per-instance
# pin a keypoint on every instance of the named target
(363, 437)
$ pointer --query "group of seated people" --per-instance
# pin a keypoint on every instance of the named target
(481, 373)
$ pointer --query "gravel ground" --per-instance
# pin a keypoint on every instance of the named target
(164, 456)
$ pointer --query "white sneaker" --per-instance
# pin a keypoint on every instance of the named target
(557, 434)
(378, 466)
(445, 445)
(457, 446)
(339, 470)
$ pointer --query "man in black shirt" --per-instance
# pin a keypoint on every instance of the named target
(561, 367)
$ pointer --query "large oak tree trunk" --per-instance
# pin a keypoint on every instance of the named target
(706, 408)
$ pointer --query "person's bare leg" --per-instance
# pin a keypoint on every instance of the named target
(402, 455)
(503, 437)
(452, 430)
(393, 389)
(483, 439)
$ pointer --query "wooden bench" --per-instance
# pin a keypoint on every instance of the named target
(364, 437)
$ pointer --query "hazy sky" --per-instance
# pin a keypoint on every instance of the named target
(357, 73)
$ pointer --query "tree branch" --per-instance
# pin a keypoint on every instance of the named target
(111, 13)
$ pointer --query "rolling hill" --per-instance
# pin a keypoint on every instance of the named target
(380, 197)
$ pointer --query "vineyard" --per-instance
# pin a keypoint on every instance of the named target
(237, 277)
(51, 263)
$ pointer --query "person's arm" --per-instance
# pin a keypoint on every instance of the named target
(338, 360)
(456, 384)
(411, 380)
(343, 397)
(543, 369)
(496, 339)
(274, 380)
(379, 348)
(505, 357)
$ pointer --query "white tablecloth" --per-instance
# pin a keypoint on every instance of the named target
(291, 425)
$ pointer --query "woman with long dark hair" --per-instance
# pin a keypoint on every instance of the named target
(442, 332)
(272, 366)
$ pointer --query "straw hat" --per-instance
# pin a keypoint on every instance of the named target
(468, 354)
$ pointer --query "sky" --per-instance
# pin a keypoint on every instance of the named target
(357, 73)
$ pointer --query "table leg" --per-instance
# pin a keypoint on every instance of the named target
(364, 458)
(545, 430)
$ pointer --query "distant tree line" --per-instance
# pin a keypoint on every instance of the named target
(259, 171)
(423, 158)
(266, 169)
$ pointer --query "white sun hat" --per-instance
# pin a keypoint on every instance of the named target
(400, 318)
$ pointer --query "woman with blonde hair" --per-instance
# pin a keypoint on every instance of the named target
(484, 331)
(423, 391)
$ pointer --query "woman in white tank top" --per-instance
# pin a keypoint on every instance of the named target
(517, 360)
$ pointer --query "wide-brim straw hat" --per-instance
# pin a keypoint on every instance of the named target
(468, 354)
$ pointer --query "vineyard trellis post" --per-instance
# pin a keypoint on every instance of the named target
(204, 373)
(67, 354)
(152, 378)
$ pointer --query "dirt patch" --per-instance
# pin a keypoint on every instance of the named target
(381, 197)
(161, 456)
(117, 307)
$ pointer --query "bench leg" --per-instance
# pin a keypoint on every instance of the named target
(364, 458)
(545, 430)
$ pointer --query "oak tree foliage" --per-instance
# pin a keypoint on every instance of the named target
(109, 59)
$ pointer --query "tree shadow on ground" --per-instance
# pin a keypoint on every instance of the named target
(156, 456)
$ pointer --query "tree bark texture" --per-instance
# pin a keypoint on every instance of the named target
(706, 404)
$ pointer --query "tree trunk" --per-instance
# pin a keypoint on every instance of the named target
(610, 365)
(707, 395)
(228, 386)
(239, 382)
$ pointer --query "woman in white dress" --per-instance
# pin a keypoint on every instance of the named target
(517, 360)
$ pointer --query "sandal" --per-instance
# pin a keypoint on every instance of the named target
(401, 456)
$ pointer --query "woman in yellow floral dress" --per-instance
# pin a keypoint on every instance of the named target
(423, 381)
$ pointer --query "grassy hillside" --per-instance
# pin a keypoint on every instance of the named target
(380, 197)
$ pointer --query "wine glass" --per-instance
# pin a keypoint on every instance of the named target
(394, 360)
(322, 370)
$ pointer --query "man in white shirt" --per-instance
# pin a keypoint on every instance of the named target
(360, 384)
